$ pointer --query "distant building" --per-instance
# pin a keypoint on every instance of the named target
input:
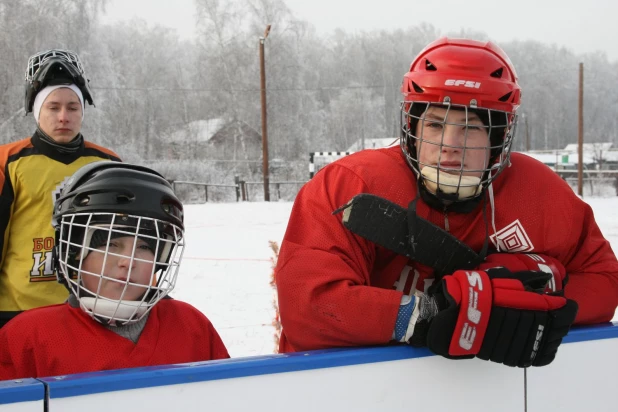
(216, 139)
(597, 156)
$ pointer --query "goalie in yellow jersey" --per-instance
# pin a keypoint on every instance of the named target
(32, 173)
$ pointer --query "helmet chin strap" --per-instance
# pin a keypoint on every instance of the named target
(113, 311)
(463, 187)
(439, 203)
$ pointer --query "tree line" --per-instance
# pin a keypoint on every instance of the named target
(324, 92)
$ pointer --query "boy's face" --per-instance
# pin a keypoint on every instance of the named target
(116, 274)
(448, 146)
(61, 115)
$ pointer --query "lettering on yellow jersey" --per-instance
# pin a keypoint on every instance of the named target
(42, 264)
(42, 268)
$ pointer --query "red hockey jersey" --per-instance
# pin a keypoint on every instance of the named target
(338, 289)
(61, 340)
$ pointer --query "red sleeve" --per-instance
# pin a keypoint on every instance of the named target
(592, 271)
(17, 358)
(323, 272)
(563, 226)
(217, 347)
(7, 368)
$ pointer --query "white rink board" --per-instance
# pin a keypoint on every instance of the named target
(582, 377)
(394, 385)
(31, 406)
(22, 395)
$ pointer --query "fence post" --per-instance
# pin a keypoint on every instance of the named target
(278, 191)
(206, 192)
(237, 183)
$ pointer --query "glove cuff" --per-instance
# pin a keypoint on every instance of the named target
(404, 318)
(414, 310)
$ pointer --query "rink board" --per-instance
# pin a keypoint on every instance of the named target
(583, 377)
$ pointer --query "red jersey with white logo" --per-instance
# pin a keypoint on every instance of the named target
(338, 289)
(61, 340)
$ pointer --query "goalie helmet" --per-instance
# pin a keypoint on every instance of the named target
(54, 67)
(119, 240)
(476, 80)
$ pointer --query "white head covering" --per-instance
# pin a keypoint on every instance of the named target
(44, 94)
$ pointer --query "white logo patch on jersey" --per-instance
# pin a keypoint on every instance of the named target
(512, 238)
(402, 284)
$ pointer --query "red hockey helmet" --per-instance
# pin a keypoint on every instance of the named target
(469, 76)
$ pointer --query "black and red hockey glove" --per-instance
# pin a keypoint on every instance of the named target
(498, 315)
(535, 262)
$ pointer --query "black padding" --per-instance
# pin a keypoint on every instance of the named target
(386, 224)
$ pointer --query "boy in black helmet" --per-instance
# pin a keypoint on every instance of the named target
(32, 172)
(120, 237)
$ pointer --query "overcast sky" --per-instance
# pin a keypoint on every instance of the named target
(582, 26)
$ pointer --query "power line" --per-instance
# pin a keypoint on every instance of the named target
(158, 89)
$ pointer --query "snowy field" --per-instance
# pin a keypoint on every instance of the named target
(226, 269)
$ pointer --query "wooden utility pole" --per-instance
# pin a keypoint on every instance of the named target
(527, 134)
(580, 134)
(264, 124)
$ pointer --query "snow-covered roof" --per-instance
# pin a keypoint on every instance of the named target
(610, 155)
(589, 147)
(547, 158)
(373, 143)
(570, 156)
(198, 130)
(560, 157)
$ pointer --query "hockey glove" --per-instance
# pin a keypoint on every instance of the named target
(535, 262)
(496, 315)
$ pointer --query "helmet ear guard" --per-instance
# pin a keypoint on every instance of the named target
(71, 256)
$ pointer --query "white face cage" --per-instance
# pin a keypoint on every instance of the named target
(449, 182)
(35, 61)
(133, 265)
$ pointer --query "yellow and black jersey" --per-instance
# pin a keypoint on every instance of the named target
(32, 174)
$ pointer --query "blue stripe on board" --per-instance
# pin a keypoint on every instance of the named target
(21, 390)
(108, 381)
(607, 330)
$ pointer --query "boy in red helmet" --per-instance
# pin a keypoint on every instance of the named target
(463, 246)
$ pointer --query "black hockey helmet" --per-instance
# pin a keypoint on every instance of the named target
(107, 200)
(51, 68)
(124, 188)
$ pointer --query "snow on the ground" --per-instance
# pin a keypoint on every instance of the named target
(226, 268)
